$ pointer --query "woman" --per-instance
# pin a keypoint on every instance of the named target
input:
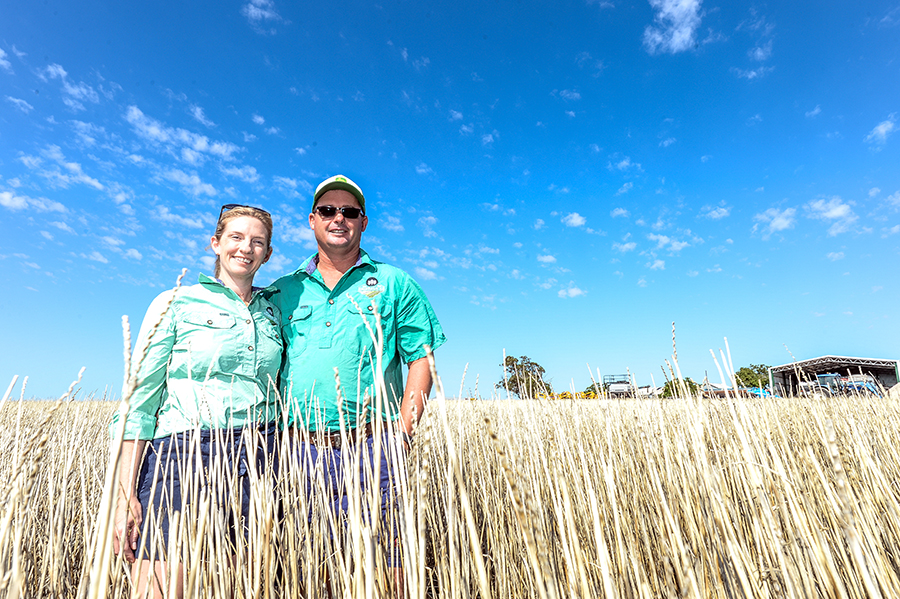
(205, 393)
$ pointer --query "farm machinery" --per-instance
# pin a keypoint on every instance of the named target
(832, 384)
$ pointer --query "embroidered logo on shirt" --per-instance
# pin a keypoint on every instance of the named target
(270, 311)
(371, 290)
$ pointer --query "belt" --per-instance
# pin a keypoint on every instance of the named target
(333, 440)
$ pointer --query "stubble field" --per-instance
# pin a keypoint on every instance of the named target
(572, 498)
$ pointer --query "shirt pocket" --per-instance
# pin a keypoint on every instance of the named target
(203, 335)
(363, 341)
(295, 331)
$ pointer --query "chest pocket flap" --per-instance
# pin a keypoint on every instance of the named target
(369, 310)
(212, 320)
(301, 313)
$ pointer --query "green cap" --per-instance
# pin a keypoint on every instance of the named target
(340, 182)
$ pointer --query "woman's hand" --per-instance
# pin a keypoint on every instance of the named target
(128, 526)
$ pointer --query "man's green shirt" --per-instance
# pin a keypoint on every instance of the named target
(212, 363)
(324, 329)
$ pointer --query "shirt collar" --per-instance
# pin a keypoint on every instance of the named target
(313, 263)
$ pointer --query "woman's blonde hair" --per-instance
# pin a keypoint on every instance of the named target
(238, 211)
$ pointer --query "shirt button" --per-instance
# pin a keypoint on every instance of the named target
(331, 302)
(208, 322)
(248, 321)
(250, 347)
(290, 316)
(327, 324)
(370, 308)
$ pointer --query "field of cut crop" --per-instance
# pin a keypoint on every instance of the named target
(509, 499)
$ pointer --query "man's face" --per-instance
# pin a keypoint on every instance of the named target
(338, 233)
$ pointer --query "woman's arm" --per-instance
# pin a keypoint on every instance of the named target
(128, 507)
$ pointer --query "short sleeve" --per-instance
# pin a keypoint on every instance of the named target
(417, 324)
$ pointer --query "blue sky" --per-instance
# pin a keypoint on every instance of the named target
(564, 179)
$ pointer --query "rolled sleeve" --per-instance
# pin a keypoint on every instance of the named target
(150, 390)
(417, 325)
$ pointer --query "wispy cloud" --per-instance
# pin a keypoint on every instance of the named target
(424, 169)
(248, 174)
(4, 63)
(667, 142)
(15, 201)
(624, 247)
(75, 93)
(774, 220)
(717, 213)
(569, 94)
(162, 213)
(623, 165)
(751, 74)
(882, 130)
(619, 212)
(835, 256)
(259, 12)
(423, 274)
(155, 132)
(190, 183)
(657, 265)
(392, 223)
(814, 112)
(546, 259)
(197, 113)
(455, 116)
(833, 210)
(571, 291)
(426, 224)
(625, 188)
(574, 220)
(675, 24)
(20, 104)
(538, 224)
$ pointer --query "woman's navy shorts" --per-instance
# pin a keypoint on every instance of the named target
(180, 470)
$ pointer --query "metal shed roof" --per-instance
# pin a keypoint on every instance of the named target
(834, 363)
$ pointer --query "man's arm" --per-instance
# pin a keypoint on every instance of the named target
(418, 387)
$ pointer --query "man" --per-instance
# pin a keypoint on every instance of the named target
(329, 308)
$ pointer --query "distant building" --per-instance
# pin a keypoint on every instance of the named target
(786, 379)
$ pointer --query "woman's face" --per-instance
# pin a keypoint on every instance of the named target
(242, 249)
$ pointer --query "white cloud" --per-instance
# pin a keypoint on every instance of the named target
(624, 247)
(667, 142)
(594, 148)
(571, 291)
(751, 74)
(675, 23)
(717, 213)
(624, 164)
(75, 93)
(163, 214)
(455, 116)
(5, 64)
(814, 112)
(12, 201)
(190, 183)
(247, 174)
(487, 139)
(574, 220)
(289, 186)
(761, 52)
(426, 223)
(197, 113)
(546, 259)
(21, 104)
(424, 274)
(392, 223)
(882, 130)
(258, 119)
(642, 282)
(96, 257)
(625, 188)
(133, 254)
(569, 94)
(874, 192)
(466, 129)
(570, 114)
(272, 130)
(775, 220)
(424, 169)
(834, 256)
(657, 265)
(63, 227)
(538, 224)
(617, 212)
(156, 132)
(834, 210)
(258, 11)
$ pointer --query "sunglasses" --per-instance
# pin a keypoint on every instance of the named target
(346, 211)
(227, 207)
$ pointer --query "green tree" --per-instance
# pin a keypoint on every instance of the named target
(673, 388)
(755, 375)
(524, 378)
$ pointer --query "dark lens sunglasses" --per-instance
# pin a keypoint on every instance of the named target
(228, 207)
(346, 211)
